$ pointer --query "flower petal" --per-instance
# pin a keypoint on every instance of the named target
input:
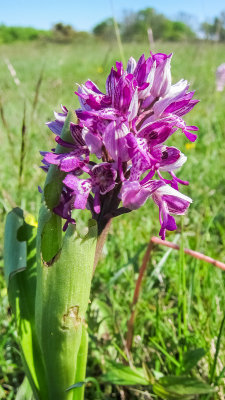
(133, 195)
(115, 141)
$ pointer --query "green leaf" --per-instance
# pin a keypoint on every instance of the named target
(20, 249)
(76, 385)
(163, 393)
(191, 359)
(2, 393)
(25, 391)
(52, 191)
(179, 387)
(66, 133)
(119, 374)
(81, 385)
(81, 362)
(25, 232)
(15, 251)
(50, 248)
(50, 223)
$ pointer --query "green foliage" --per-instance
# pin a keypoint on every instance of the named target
(60, 317)
(191, 359)
(63, 33)
(180, 387)
(119, 374)
(63, 30)
(134, 27)
(20, 244)
(64, 274)
(9, 34)
(168, 387)
(60, 312)
(105, 30)
(216, 29)
(60, 33)
(15, 260)
(25, 391)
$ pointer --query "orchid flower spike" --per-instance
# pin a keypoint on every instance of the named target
(126, 129)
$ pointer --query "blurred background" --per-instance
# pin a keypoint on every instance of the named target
(46, 48)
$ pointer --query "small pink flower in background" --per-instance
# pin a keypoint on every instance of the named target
(220, 78)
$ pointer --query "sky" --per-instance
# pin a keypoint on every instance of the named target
(85, 14)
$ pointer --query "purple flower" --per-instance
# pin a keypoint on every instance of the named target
(119, 142)
(66, 162)
(71, 160)
(220, 78)
(135, 193)
(101, 181)
(169, 201)
(64, 208)
(162, 77)
(114, 139)
(144, 72)
(80, 189)
(57, 125)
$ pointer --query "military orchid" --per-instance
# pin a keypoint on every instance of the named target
(125, 129)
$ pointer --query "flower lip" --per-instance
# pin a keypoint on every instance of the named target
(103, 177)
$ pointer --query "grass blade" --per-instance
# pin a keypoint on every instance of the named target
(22, 149)
(37, 91)
(213, 370)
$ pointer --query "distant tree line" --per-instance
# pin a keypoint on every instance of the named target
(9, 34)
(135, 25)
(216, 29)
(66, 33)
(59, 33)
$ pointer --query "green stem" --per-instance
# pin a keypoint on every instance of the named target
(62, 298)
(64, 273)
(184, 284)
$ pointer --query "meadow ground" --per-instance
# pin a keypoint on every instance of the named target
(182, 306)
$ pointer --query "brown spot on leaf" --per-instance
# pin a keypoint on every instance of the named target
(72, 318)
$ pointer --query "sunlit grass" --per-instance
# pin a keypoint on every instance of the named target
(182, 307)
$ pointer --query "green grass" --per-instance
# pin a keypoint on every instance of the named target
(182, 307)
